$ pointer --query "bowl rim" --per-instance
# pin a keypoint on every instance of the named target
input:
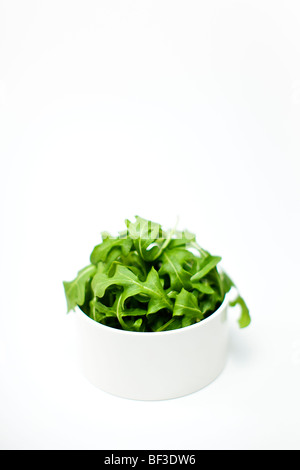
(200, 324)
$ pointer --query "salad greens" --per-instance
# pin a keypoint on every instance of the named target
(148, 279)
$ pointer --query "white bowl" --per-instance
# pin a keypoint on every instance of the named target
(150, 365)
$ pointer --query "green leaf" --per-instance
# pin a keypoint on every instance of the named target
(183, 239)
(227, 283)
(137, 280)
(101, 251)
(203, 287)
(132, 285)
(174, 264)
(244, 319)
(99, 311)
(186, 305)
(209, 303)
(131, 323)
(173, 324)
(148, 238)
(208, 263)
(75, 290)
(136, 264)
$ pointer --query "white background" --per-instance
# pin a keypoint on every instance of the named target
(164, 109)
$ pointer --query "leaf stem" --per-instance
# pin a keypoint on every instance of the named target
(163, 327)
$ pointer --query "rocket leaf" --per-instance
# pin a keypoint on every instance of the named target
(149, 279)
(101, 251)
(209, 263)
(174, 264)
(244, 319)
(75, 290)
(148, 238)
(124, 277)
(186, 305)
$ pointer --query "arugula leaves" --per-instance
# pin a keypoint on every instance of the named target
(186, 306)
(152, 288)
(148, 279)
(175, 263)
(100, 252)
(244, 319)
(76, 290)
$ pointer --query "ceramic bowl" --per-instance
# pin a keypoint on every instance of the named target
(153, 365)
